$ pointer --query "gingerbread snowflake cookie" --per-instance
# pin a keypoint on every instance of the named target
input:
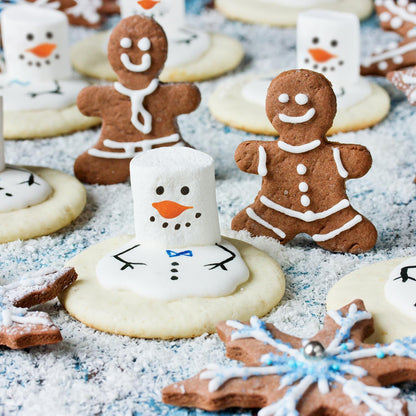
(139, 112)
(21, 328)
(303, 187)
(405, 80)
(177, 277)
(334, 372)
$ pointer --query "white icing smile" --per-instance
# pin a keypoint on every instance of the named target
(297, 119)
(144, 44)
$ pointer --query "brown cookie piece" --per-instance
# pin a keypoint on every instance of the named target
(109, 7)
(405, 80)
(395, 56)
(397, 16)
(303, 188)
(333, 373)
(139, 112)
(20, 328)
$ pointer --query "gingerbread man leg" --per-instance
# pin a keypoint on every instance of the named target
(346, 232)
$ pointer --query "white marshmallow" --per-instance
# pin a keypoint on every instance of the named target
(36, 45)
(2, 157)
(181, 176)
(329, 42)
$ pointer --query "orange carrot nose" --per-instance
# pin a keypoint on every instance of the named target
(148, 4)
(321, 55)
(43, 50)
(169, 209)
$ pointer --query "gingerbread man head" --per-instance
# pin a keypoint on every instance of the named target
(301, 106)
(137, 51)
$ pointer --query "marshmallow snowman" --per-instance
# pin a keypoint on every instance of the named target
(178, 251)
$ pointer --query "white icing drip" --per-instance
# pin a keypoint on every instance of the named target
(303, 148)
(262, 168)
(298, 120)
(142, 67)
(337, 157)
(308, 216)
(350, 224)
(130, 147)
(86, 9)
(250, 212)
(389, 55)
(137, 107)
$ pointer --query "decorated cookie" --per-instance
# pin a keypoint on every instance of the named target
(327, 42)
(177, 277)
(285, 12)
(335, 372)
(20, 328)
(139, 112)
(194, 54)
(38, 88)
(303, 187)
(389, 291)
(405, 80)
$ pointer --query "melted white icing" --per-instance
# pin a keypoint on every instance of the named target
(303, 148)
(35, 96)
(168, 275)
(20, 188)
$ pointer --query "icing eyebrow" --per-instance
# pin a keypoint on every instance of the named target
(284, 98)
(301, 99)
(126, 43)
(144, 44)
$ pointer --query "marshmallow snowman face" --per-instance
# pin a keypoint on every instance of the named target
(329, 42)
(170, 14)
(36, 45)
(174, 198)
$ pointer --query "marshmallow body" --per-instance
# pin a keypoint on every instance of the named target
(301, 4)
(174, 198)
(329, 42)
(2, 157)
(36, 45)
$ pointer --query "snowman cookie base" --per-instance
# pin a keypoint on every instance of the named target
(225, 54)
(126, 313)
(368, 284)
(66, 203)
(265, 12)
(228, 105)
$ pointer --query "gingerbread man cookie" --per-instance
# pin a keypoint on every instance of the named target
(20, 328)
(303, 188)
(334, 373)
(139, 112)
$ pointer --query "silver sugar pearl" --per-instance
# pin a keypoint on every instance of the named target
(314, 349)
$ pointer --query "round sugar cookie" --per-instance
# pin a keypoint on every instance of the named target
(270, 12)
(126, 313)
(229, 106)
(368, 284)
(224, 54)
(66, 203)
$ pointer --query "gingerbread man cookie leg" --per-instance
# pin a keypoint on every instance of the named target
(303, 186)
(139, 112)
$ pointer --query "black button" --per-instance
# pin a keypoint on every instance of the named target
(175, 264)
(177, 226)
(174, 278)
(174, 270)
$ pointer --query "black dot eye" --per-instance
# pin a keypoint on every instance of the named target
(185, 190)
(334, 43)
(315, 40)
(30, 36)
(160, 190)
(49, 35)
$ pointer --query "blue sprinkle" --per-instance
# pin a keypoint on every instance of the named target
(380, 354)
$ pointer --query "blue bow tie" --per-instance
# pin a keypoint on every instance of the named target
(187, 253)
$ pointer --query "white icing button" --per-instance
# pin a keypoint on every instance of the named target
(301, 169)
(144, 44)
(284, 98)
(125, 43)
(412, 8)
(382, 66)
(303, 187)
(398, 59)
(301, 99)
(305, 201)
(385, 16)
(392, 45)
(396, 22)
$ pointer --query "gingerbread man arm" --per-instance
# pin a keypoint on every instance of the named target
(251, 157)
(186, 97)
(92, 99)
(352, 160)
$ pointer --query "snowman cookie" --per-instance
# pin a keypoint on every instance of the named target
(36, 201)
(194, 55)
(285, 12)
(327, 42)
(38, 88)
(303, 175)
(139, 112)
(177, 277)
(388, 289)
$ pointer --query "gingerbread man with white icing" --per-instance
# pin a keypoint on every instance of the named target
(303, 187)
(139, 112)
